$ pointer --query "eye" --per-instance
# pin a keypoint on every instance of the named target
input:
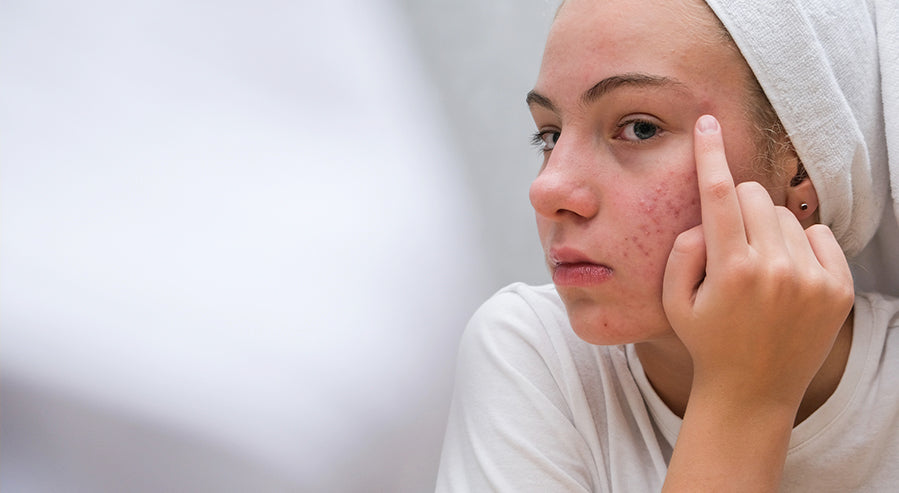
(545, 141)
(638, 130)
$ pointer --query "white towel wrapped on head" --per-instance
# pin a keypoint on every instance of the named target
(831, 71)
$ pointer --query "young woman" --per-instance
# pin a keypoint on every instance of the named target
(701, 332)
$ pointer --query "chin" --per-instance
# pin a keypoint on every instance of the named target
(606, 329)
(602, 333)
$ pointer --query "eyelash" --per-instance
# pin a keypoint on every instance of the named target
(539, 143)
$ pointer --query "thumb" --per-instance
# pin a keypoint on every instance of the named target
(684, 273)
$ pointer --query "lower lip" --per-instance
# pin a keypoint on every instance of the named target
(581, 274)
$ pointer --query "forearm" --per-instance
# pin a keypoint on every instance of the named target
(727, 445)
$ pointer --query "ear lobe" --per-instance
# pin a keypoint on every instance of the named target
(802, 200)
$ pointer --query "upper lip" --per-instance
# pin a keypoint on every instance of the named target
(568, 255)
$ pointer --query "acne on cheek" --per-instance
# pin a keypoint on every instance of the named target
(661, 213)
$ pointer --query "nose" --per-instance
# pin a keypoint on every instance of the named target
(565, 187)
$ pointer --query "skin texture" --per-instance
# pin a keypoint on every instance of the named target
(623, 203)
(739, 315)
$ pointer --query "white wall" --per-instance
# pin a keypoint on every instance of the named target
(483, 58)
(240, 239)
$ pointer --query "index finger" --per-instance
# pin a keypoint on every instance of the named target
(722, 219)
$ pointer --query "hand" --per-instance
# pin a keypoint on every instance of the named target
(757, 300)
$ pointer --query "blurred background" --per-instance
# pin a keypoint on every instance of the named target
(240, 240)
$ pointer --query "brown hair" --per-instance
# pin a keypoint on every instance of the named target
(770, 135)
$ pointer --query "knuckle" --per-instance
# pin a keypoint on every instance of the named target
(819, 285)
(750, 187)
(688, 244)
(820, 228)
(719, 188)
(742, 270)
(781, 270)
(783, 213)
(845, 292)
(848, 298)
(820, 232)
(777, 277)
(772, 275)
(688, 241)
(752, 192)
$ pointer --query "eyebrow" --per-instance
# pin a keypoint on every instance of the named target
(607, 85)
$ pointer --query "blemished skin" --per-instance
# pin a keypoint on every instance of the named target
(611, 197)
(650, 242)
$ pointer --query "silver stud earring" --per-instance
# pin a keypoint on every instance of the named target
(803, 206)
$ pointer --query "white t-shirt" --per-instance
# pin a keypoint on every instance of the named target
(536, 408)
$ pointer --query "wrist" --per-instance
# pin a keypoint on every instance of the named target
(746, 409)
(742, 394)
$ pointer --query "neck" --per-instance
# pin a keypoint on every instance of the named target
(669, 368)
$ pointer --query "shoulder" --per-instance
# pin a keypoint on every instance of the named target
(519, 420)
(518, 311)
(535, 408)
(522, 300)
(526, 327)
(520, 345)
(516, 326)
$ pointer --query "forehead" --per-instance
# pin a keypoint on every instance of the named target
(591, 40)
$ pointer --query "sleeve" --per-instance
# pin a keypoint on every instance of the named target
(510, 427)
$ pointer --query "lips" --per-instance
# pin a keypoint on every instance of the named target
(570, 267)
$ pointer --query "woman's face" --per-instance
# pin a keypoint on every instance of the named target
(621, 86)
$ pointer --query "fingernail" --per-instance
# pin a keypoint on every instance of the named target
(707, 124)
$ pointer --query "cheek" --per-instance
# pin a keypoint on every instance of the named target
(666, 208)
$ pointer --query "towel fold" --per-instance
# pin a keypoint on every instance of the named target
(831, 71)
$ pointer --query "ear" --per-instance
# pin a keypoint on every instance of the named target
(802, 198)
